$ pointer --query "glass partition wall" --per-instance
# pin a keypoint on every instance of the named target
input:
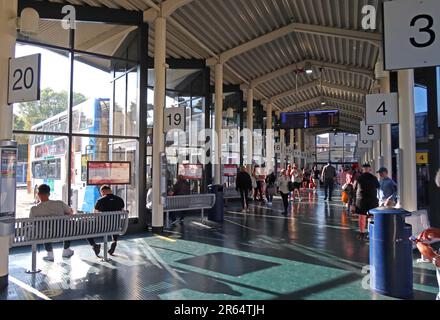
(89, 111)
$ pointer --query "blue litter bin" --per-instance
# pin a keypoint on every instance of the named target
(391, 267)
(217, 212)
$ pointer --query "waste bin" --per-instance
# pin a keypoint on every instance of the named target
(217, 212)
(391, 267)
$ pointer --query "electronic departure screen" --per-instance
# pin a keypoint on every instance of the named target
(323, 119)
(293, 120)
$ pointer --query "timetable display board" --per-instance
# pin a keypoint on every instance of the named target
(323, 119)
(112, 173)
(191, 171)
(293, 120)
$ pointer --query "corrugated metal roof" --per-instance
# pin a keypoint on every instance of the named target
(221, 25)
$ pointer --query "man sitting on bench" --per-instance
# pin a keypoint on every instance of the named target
(107, 203)
(50, 208)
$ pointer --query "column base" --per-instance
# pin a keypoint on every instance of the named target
(4, 282)
(157, 230)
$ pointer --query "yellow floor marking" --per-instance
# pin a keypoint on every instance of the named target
(165, 238)
(29, 288)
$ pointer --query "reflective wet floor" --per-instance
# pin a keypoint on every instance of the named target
(313, 254)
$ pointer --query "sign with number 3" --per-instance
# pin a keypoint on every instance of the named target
(411, 34)
(382, 108)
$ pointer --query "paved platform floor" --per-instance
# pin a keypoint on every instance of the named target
(311, 254)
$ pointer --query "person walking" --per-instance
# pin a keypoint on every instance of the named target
(297, 182)
(387, 189)
(365, 189)
(108, 202)
(283, 187)
(271, 180)
(51, 208)
(244, 185)
(328, 176)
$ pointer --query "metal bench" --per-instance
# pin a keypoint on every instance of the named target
(188, 203)
(35, 231)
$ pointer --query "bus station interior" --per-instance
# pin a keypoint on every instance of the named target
(233, 65)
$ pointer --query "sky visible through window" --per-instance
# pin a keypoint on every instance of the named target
(51, 77)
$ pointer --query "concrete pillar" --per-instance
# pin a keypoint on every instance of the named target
(218, 120)
(407, 140)
(386, 151)
(290, 157)
(270, 138)
(159, 105)
(300, 147)
(250, 125)
(8, 37)
(283, 141)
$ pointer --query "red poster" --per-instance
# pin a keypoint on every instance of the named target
(113, 173)
(230, 170)
(191, 171)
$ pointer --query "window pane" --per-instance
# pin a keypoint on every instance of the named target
(42, 159)
(85, 149)
(49, 114)
(111, 107)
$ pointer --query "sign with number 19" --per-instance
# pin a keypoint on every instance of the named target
(174, 118)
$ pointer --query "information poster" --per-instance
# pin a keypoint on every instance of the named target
(8, 183)
(191, 171)
(230, 170)
(112, 173)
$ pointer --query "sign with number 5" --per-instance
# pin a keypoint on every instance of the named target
(411, 34)
(24, 79)
(382, 108)
(369, 132)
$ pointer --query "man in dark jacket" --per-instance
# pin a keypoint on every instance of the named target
(365, 188)
(243, 185)
(180, 188)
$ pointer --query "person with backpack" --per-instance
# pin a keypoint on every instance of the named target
(328, 177)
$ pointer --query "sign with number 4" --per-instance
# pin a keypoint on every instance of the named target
(174, 118)
(370, 132)
(411, 34)
(382, 108)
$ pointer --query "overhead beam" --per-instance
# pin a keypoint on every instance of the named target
(354, 105)
(370, 37)
(335, 86)
(164, 10)
(292, 92)
(314, 84)
(373, 38)
(301, 65)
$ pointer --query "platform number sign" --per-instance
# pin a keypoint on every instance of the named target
(382, 108)
(174, 118)
(365, 144)
(411, 34)
(277, 148)
(369, 132)
(24, 79)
